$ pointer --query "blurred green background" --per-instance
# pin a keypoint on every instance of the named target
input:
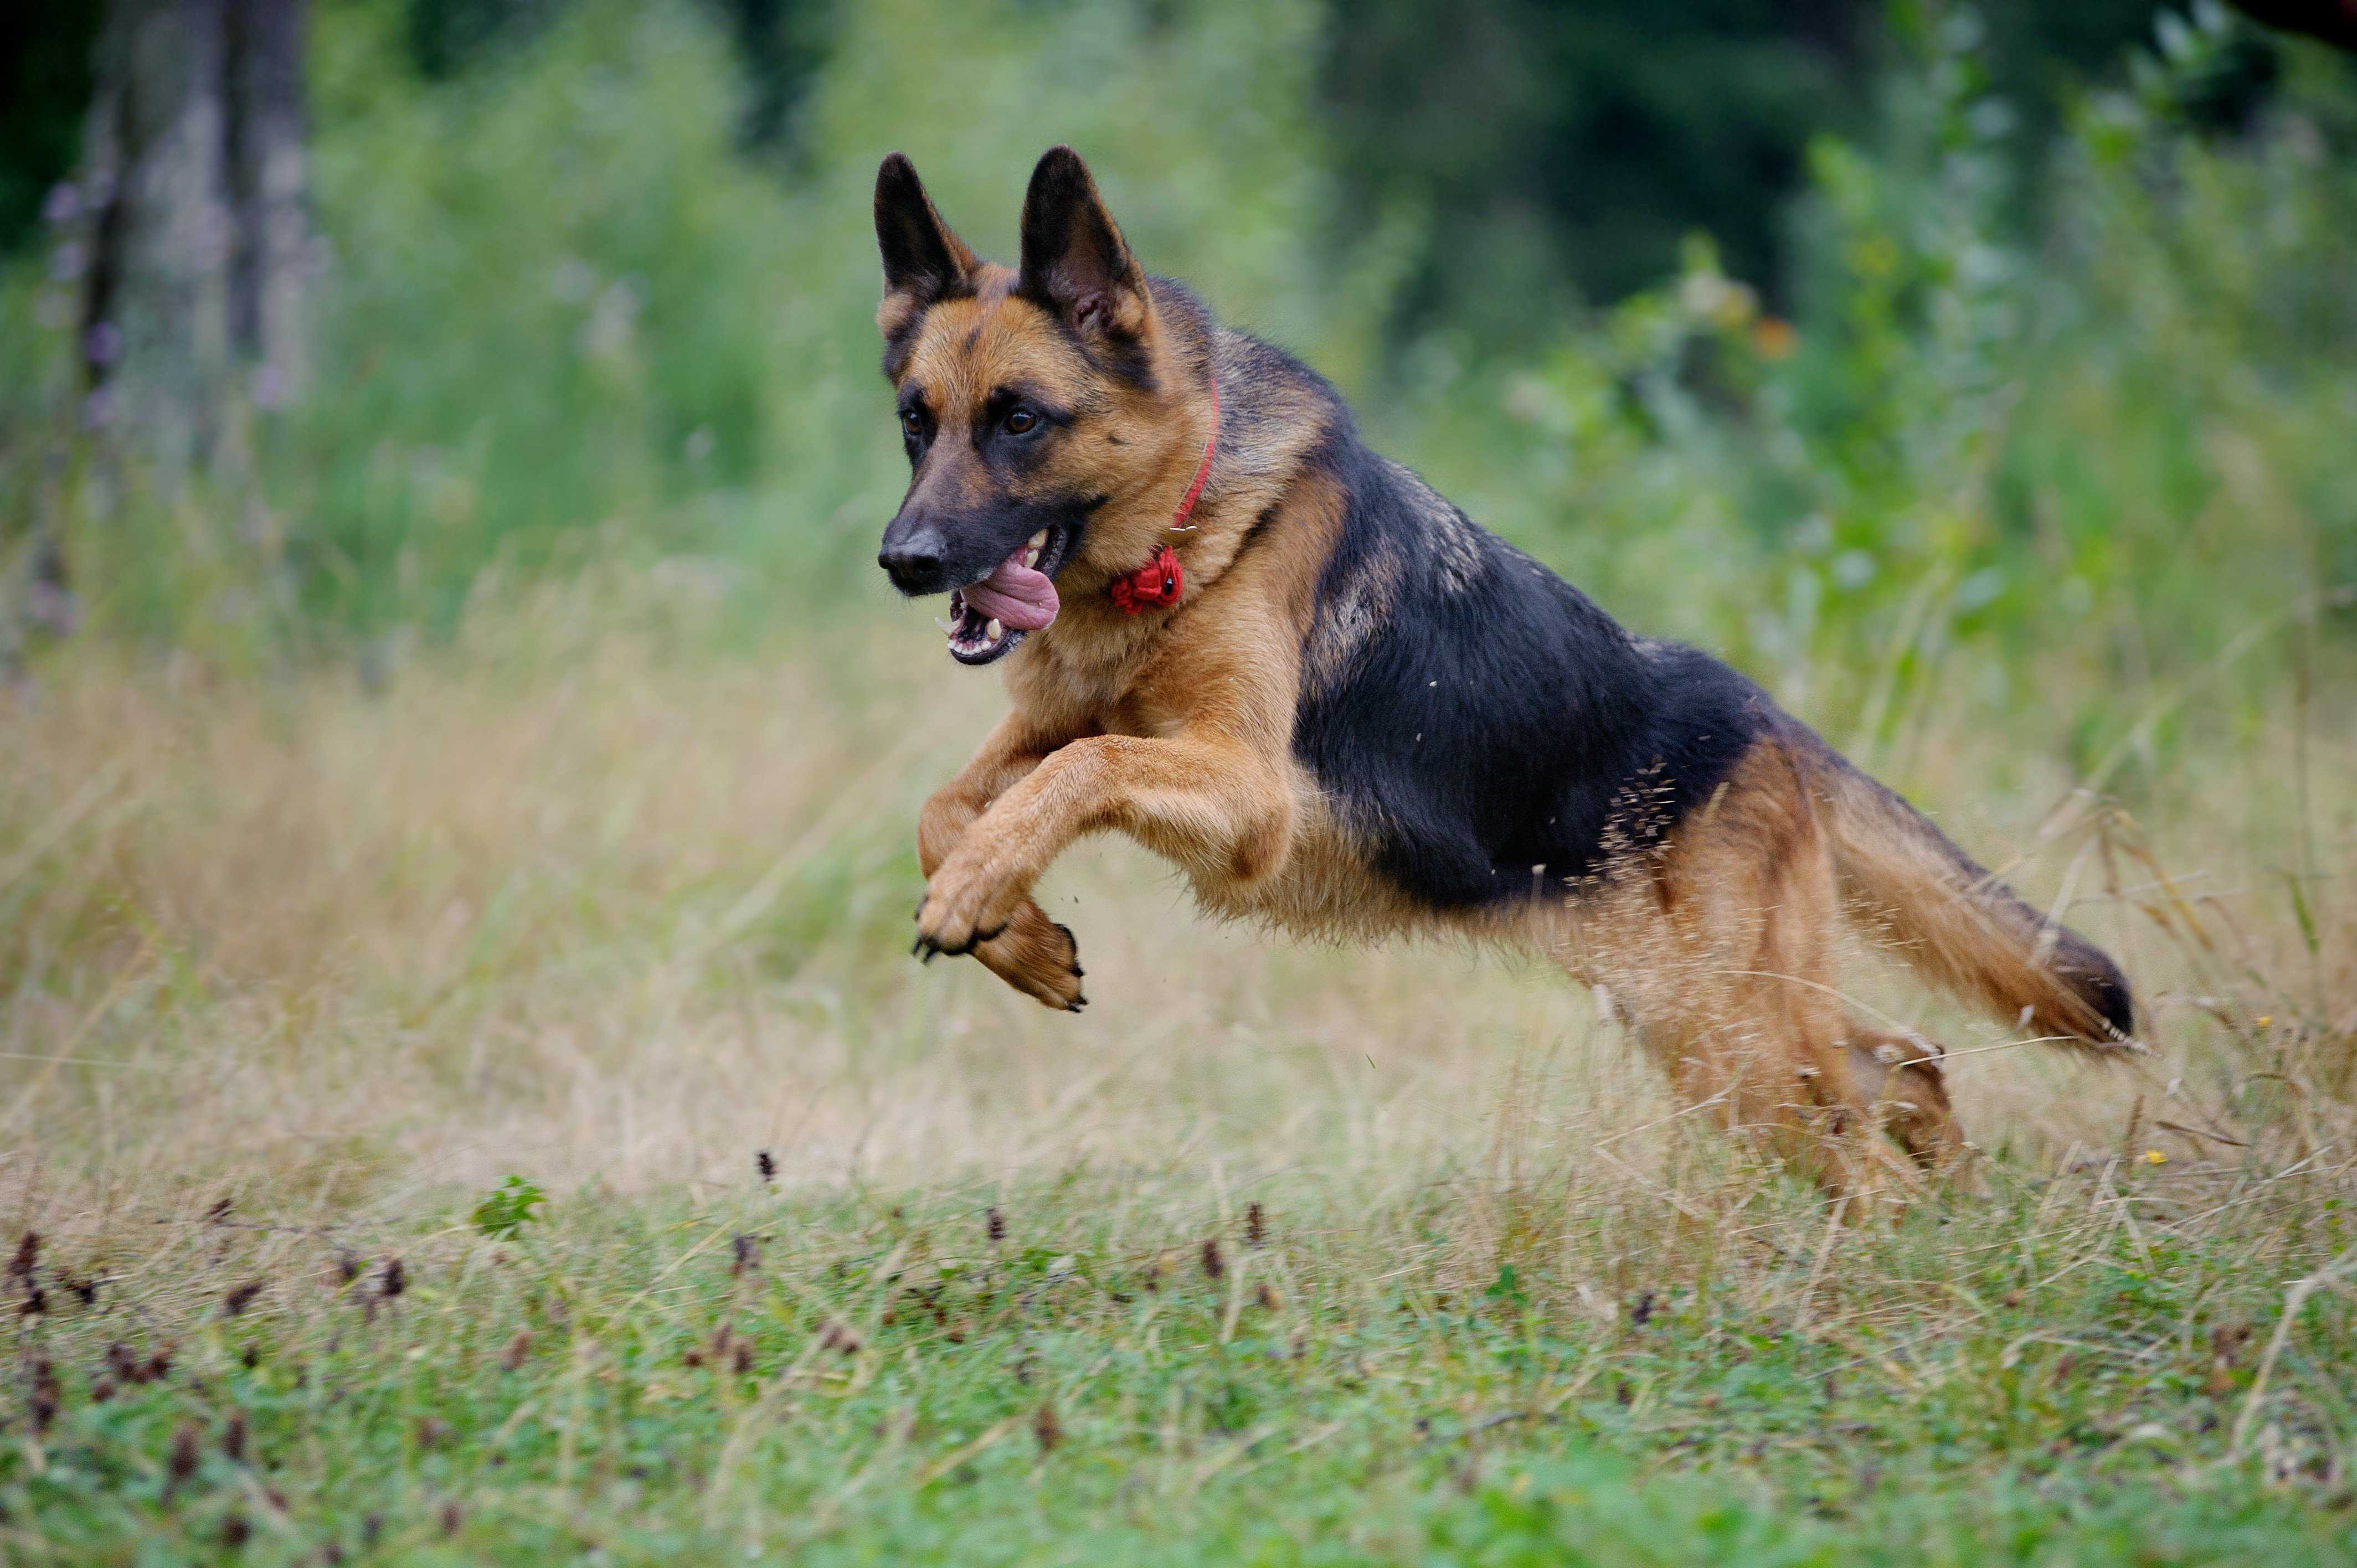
(1832, 334)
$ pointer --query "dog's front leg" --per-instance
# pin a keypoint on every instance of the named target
(1033, 953)
(1213, 803)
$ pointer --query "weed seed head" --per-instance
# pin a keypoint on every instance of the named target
(47, 1397)
(182, 1462)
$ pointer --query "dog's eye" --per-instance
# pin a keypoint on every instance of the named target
(912, 422)
(1021, 422)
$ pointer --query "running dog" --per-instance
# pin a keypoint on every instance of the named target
(1286, 664)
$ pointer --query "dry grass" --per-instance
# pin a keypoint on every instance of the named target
(594, 910)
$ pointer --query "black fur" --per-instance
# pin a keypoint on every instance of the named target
(920, 254)
(920, 258)
(2099, 980)
(1491, 731)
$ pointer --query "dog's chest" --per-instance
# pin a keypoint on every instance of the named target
(1089, 685)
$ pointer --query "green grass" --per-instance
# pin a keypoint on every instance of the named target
(2056, 1374)
(296, 978)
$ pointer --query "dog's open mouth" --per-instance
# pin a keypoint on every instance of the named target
(989, 616)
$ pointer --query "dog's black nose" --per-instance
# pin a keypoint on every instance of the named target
(915, 556)
(912, 571)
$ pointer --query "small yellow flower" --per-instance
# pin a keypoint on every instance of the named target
(2266, 1019)
(2155, 1157)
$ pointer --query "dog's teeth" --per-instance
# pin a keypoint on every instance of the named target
(1039, 540)
(1032, 557)
(994, 632)
(948, 626)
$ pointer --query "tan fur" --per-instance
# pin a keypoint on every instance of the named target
(1715, 943)
(1176, 730)
(1953, 922)
(1718, 948)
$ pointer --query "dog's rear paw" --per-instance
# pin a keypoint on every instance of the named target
(1039, 958)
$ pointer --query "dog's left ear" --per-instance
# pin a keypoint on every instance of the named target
(1074, 261)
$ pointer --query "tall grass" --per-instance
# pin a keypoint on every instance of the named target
(572, 896)
(291, 974)
(615, 872)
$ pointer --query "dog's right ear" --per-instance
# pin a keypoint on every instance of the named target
(1075, 261)
(923, 262)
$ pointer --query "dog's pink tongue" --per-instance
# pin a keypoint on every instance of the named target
(1015, 594)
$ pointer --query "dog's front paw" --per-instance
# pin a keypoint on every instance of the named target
(960, 909)
(1037, 957)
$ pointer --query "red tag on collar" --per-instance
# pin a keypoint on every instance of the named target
(1156, 585)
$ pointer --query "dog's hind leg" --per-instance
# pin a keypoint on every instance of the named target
(1900, 1071)
(1721, 946)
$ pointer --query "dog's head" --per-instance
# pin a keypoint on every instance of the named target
(1035, 404)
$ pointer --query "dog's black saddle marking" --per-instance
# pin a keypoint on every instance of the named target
(1478, 718)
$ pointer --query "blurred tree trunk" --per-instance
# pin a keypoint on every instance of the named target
(199, 245)
(267, 183)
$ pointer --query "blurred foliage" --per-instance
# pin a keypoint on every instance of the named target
(1569, 149)
(571, 319)
(46, 69)
(1555, 144)
(781, 44)
(567, 316)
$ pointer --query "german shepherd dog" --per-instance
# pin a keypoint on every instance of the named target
(1283, 663)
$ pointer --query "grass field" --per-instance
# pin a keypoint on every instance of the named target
(1278, 1255)
(465, 1095)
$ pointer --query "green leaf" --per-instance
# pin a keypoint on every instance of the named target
(508, 1207)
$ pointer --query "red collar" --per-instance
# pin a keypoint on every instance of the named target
(1160, 581)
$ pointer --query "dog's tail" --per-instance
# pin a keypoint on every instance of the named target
(1959, 926)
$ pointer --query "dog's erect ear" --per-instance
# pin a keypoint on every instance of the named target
(922, 259)
(1074, 261)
